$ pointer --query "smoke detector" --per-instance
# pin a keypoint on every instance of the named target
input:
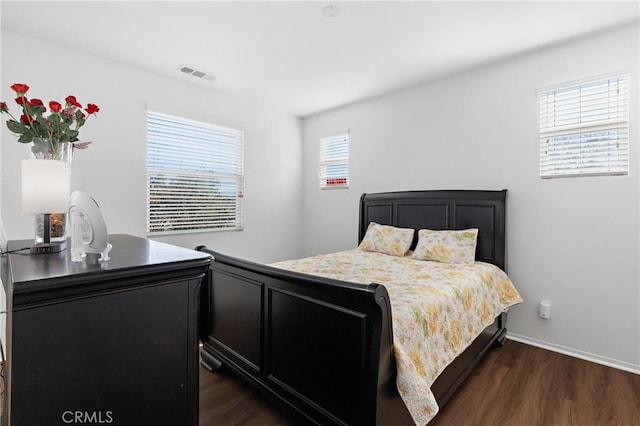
(331, 11)
(196, 73)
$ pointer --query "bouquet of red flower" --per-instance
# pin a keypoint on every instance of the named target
(60, 126)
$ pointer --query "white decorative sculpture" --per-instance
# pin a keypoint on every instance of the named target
(88, 230)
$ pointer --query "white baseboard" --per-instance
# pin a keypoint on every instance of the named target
(609, 362)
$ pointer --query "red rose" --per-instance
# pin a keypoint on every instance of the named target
(71, 100)
(20, 88)
(22, 101)
(92, 108)
(34, 102)
(26, 119)
(55, 106)
(3, 107)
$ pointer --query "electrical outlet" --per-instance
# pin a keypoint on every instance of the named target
(544, 309)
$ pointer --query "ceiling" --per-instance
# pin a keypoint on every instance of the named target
(291, 55)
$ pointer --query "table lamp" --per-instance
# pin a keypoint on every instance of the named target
(45, 190)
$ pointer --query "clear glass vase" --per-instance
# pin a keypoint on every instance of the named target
(46, 149)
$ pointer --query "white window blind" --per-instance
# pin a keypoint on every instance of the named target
(194, 175)
(334, 161)
(584, 128)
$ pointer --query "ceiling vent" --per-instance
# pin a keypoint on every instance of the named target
(196, 73)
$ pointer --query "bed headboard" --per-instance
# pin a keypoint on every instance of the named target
(442, 210)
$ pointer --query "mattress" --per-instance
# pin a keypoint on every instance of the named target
(438, 309)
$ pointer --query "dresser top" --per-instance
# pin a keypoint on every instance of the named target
(130, 256)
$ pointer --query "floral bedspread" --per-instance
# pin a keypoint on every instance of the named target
(438, 309)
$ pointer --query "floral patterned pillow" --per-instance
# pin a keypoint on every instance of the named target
(387, 239)
(447, 246)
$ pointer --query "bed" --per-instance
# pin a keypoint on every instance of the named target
(324, 347)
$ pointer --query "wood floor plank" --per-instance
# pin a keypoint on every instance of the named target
(226, 400)
(516, 385)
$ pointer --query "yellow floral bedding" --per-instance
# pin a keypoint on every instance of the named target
(438, 309)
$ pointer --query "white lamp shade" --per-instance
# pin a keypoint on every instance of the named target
(45, 186)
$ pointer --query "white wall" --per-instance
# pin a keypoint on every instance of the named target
(112, 169)
(3, 301)
(573, 241)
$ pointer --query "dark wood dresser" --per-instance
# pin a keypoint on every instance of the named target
(112, 343)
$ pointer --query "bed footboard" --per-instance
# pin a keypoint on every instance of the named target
(320, 346)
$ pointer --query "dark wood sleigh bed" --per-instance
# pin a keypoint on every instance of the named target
(323, 347)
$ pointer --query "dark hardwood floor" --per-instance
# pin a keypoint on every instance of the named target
(227, 400)
(517, 385)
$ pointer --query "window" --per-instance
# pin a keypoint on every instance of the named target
(334, 161)
(584, 128)
(194, 175)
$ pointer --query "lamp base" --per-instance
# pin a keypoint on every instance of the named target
(45, 248)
